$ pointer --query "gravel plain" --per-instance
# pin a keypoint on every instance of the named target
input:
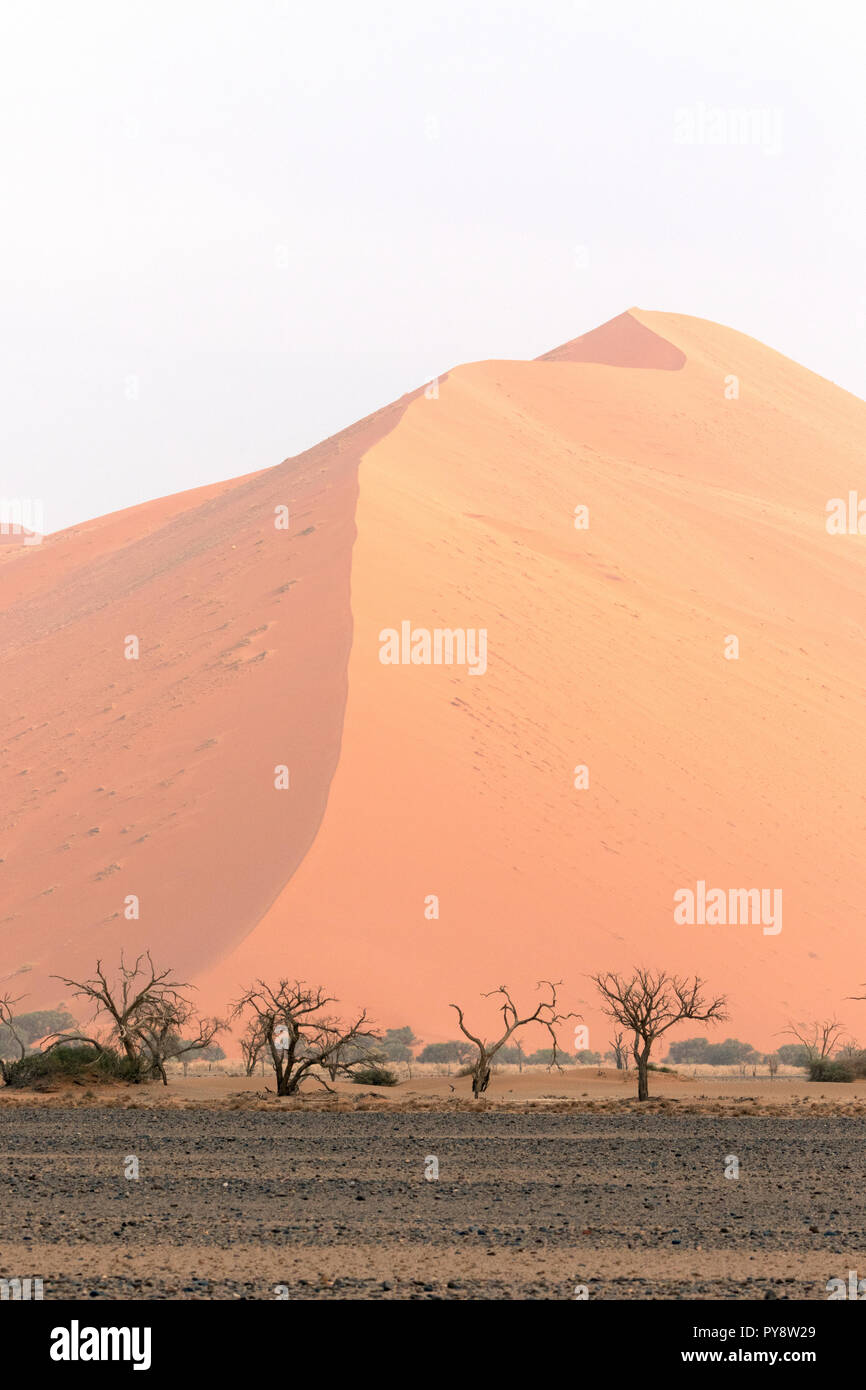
(234, 1204)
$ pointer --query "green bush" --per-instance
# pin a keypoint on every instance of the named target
(700, 1051)
(543, 1057)
(445, 1052)
(30, 1027)
(75, 1062)
(856, 1060)
(830, 1069)
(374, 1076)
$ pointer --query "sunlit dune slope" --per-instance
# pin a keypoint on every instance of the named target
(606, 648)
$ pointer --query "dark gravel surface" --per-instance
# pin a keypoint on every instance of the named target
(230, 1204)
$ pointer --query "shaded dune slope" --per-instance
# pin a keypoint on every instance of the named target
(155, 777)
(621, 342)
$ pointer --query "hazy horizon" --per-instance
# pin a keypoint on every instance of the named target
(235, 233)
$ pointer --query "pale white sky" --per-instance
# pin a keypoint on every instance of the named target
(231, 229)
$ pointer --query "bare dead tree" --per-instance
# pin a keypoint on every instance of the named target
(651, 1002)
(545, 1014)
(818, 1039)
(135, 1004)
(64, 1039)
(161, 1028)
(772, 1064)
(252, 1041)
(290, 1021)
(620, 1052)
(362, 1047)
(7, 1020)
(860, 999)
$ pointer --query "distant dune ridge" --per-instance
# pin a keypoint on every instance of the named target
(706, 461)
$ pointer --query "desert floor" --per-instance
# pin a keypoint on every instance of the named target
(554, 1182)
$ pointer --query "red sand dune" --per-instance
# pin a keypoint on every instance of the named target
(261, 647)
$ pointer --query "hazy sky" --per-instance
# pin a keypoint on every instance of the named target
(230, 229)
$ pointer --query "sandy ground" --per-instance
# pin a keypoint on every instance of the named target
(573, 1088)
(236, 1200)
